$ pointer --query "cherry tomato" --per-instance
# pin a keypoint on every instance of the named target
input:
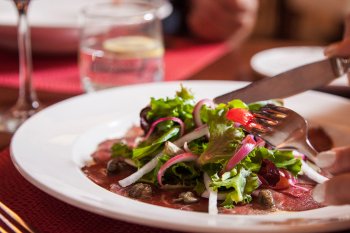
(241, 116)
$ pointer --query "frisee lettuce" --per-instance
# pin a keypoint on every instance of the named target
(180, 106)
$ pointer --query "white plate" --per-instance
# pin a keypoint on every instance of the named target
(54, 24)
(52, 146)
(277, 60)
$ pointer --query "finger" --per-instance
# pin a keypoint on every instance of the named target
(347, 26)
(335, 161)
(339, 49)
(342, 48)
(333, 192)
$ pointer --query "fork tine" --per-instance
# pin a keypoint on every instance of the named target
(277, 108)
(9, 224)
(15, 217)
(2, 230)
(272, 113)
(266, 121)
(284, 128)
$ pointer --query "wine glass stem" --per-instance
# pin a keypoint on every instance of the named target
(27, 99)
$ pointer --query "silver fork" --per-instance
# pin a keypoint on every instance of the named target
(13, 221)
(283, 128)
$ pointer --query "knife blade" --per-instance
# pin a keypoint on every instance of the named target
(291, 82)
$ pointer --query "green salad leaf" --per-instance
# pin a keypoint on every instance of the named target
(141, 152)
(238, 183)
(120, 149)
(224, 137)
(180, 106)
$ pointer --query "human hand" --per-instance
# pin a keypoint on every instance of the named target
(222, 19)
(335, 191)
(342, 48)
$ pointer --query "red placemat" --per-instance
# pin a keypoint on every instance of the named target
(47, 214)
(61, 74)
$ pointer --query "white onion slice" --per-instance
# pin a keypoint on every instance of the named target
(213, 196)
(141, 172)
(130, 162)
(221, 196)
(312, 174)
(196, 133)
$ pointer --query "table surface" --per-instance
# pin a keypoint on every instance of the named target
(235, 65)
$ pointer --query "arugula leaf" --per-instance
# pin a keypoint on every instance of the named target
(141, 152)
(121, 149)
(185, 172)
(213, 168)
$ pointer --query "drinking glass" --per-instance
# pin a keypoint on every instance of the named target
(120, 43)
(27, 103)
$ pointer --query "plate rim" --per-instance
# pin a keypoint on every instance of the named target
(257, 56)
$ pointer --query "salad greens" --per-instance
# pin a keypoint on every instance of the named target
(236, 161)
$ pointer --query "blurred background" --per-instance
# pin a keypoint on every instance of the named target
(318, 21)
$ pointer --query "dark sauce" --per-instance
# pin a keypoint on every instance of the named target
(290, 199)
(284, 201)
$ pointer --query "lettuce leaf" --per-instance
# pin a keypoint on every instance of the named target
(282, 159)
(180, 106)
(239, 183)
(224, 137)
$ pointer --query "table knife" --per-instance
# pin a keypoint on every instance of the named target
(294, 81)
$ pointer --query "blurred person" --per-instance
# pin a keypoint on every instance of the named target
(213, 20)
(336, 191)
(317, 20)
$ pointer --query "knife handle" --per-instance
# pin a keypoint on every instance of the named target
(340, 65)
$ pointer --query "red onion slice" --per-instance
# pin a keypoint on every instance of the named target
(175, 119)
(248, 144)
(260, 142)
(184, 157)
(197, 110)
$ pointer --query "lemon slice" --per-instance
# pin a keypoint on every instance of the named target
(134, 46)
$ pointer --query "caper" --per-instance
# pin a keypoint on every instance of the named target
(265, 198)
(187, 198)
(114, 166)
(140, 191)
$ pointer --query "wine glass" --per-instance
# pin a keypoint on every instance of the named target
(27, 102)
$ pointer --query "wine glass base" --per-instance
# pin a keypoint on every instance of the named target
(12, 119)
